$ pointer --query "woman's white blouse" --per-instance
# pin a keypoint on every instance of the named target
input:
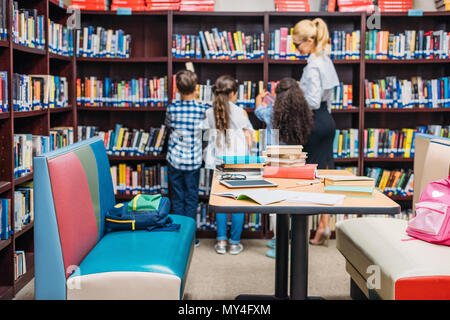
(318, 81)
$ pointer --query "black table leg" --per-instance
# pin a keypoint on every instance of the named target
(299, 257)
(281, 263)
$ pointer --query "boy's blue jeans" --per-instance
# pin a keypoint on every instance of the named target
(183, 187)
(237, 222)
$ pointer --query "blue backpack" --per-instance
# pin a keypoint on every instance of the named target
(129, 216)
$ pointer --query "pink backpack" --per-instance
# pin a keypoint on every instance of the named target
(432, 220)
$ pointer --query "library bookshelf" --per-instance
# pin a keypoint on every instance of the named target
(151, 55)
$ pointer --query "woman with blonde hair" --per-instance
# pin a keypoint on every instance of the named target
(317, 82)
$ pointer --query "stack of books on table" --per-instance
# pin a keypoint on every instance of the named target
(288, 161)
(352, 186)
(235, 167)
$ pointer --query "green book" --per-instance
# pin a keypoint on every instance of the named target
(364, 192)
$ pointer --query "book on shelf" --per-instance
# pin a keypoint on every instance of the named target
(4, 91)
(205, 220)
(140, 178)
(292, 5)
(394, 5)
(342, 97)
(20, 264)
(60, 137)
(204, 188)
(122, 141)
(197, 5)
(60, 39)
(5, 218)
(107, 92)
(391, 143)
(356, 5)
(215, 44)
(23, 206)
(392, 182)
(328, 5)
(345, 45)
(407, 45)
(38, 92)
(28, 28)
(98, 42)
(346, 143)
(102, 5)
(392, 92)
(3, 20)
(442, 5)
(281, 45)
(134, 5)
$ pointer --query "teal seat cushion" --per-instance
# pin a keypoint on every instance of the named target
(143, 251)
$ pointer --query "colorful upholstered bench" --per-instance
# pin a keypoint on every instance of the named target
(407, 269)
(75, 258)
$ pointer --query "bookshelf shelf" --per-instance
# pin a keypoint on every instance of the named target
(4, 243)
(401, 198)
(6, 292)
(4, 43)
(21, 48)
(27, 114)
(5, 186)
(389, 159)
(351, 110)
(61, 110)
(23, 179)
(128, 60)
(407, 110)
(60, 57)
(133, 13)
(123, 109)
(219, 61)
(409, 61)
(4, 115)
(24, 230)
(345, 160)
(56, 3)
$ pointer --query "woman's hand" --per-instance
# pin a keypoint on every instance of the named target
(259, 99)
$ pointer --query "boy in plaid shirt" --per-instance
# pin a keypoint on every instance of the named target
(184, 154)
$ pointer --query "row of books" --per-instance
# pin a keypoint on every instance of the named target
(389, 143)
(122, 141)
(3, 20)
(60, 39)
(158, 5)
(37, 92)
(411, 44)
(20, 264)
(3, 91)
(28, 28)
(205, 179)
(345, 45)
(281, 45)
(342, 97)
(392, 92)
(5, 218)
(27, 146)
(139, 179)
(217, 44)
(292, 5)
(351, 169)
(98, 42)
(345, 144)
(91, 4)
(23, 206)
(141, 92)
(394, 5)
(392, 182)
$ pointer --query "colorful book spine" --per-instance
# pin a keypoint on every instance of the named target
(98, 42)
(392, 92)
(28, 27)
(397, 182)
(20, 264)
(23, 206)
(5, 219)
(122, 141)
(346, 144)
(342, 97)
(60, 39)
(4, 91)
(3, 20)
(407, 45)
(140, 178)
(216, 44)
(141, 92)
(60, 137)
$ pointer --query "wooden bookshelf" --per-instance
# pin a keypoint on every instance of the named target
(151, 56)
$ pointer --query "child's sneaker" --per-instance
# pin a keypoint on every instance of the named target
(220, 248)
(236, 248)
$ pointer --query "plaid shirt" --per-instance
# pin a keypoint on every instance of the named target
(185, 142)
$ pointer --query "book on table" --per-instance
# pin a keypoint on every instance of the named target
(349, 181)
(350, 191)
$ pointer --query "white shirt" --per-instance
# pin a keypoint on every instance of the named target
(236, 146)
(318, 80)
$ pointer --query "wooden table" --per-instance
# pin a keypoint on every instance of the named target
(379, 204)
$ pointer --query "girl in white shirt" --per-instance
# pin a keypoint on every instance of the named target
(230, 134)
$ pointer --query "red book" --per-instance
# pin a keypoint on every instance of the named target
(305, 172)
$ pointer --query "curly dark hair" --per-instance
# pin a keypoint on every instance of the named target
(291, 113)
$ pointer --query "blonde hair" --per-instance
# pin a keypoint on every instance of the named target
(314, 29)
